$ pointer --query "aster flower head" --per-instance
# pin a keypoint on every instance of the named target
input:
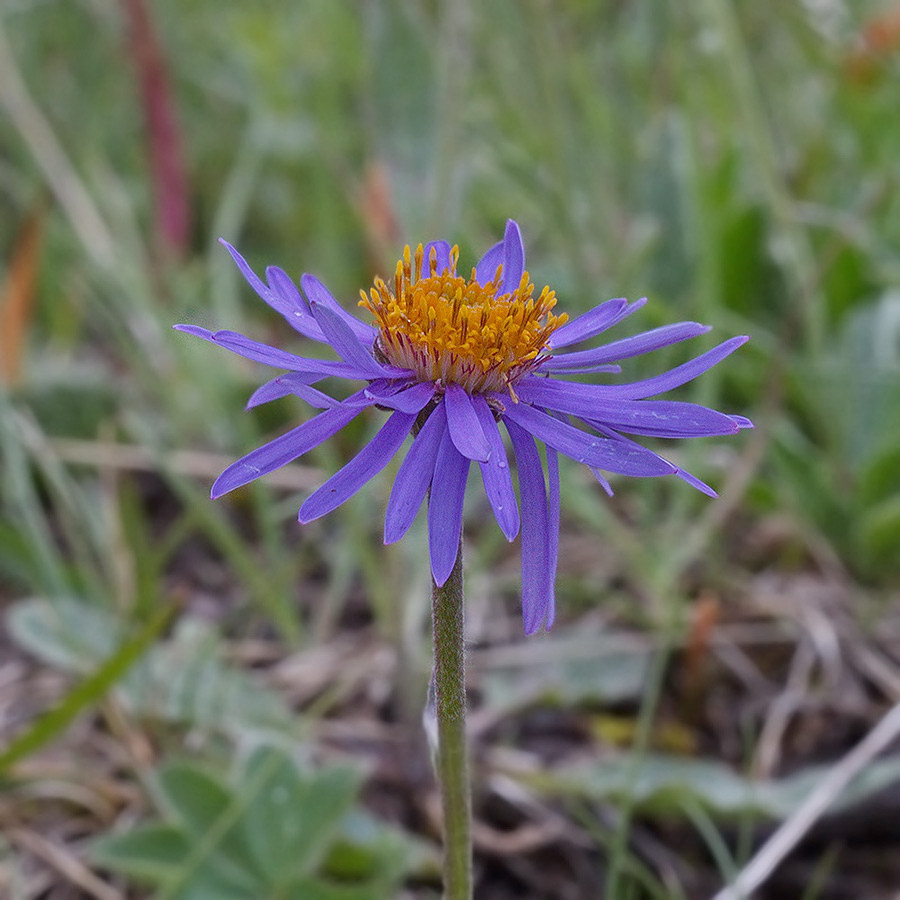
(452, 358)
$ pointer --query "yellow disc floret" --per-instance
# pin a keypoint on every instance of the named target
(451, 329)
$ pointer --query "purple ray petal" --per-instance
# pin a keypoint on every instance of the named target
(291, 384)
(553, 521)
(281, 294)
(252, 278)
(282, 285)
(513, 258)
(408, 399)
(626, 348)
(674, 378)
(604, 482)
(344, 342)
(486, 268)
(595, 452)
(441, 250)
(272, 356)
(695, 482)
(445, 508)
(658, 418)
(316, 292)
(671, 419)
(536, 574)
(285, 448)
(365, 465)
(297, 312)
(594, 321)
(684, 475)
(465, 429)
(742, 422)
(495, 473)
(543, 368)
(414, 477)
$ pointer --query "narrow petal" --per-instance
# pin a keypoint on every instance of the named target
(604, 482)
(272, 356)
(513, 258)
(600, 453)
(445, 508)
(252, 278)
(271, 390)
(695, 482)
(657, 418)
(670, 419)
(486, 268)
(594, 321)
(344, 342)
(409, 399)
(365, 465)
(684, 475)
(281, 294)
(296, 311)
(414, 477)
(316, 292)
(544, 367)
(440, 250)
(553, 522)
(284, 449)
(626, 348)
(291, 384)
(465, 429)
(674, 378)
(495, 473)
(536, 562)
(742, 422)
(282, 285)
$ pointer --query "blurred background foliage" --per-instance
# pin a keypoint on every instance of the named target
(738, 163)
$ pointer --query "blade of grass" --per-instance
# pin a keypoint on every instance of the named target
(56, 720)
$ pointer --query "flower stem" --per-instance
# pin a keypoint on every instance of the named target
(450, 710)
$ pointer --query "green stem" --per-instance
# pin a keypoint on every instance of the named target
(450, 709)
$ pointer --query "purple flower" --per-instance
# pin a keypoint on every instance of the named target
(453, 358)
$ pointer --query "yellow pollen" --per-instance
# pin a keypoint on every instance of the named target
(451, 329)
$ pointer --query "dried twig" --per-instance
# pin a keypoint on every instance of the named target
(102, 454)
(795, 694)
(64, 861)
(793, 829)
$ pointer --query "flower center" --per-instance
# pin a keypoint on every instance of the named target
(451, 329)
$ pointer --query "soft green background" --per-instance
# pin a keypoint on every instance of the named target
(737, 163)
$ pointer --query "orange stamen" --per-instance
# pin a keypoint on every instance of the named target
(445, 327)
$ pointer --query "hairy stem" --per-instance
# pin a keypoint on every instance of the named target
(450, 710)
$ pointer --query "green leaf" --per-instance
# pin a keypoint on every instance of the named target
(312, 889)
(193, 796)
(273, 825)
(664, 785)
(148, 853)
(270, 834)
(180, 680)
(368, 848)
(880, 478)
(207, 808)
(64, 632)
(879, 534)
(575, 671)
(158, 854)
(88, 692)
(292, 819)
(186, 680)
